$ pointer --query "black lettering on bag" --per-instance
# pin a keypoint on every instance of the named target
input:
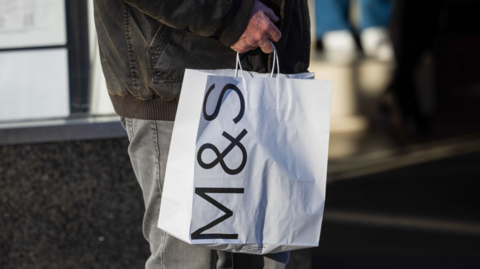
(221, 156)
(219, 103)
(202, 192)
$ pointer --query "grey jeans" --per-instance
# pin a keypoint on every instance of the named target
(148, 150)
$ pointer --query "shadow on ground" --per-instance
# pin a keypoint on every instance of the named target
(421, 216)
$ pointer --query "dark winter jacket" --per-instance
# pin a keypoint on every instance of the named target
(145, 46)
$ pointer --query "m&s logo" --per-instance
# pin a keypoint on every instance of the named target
(234, 142)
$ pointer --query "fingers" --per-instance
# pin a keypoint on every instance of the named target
(260, 30)
(248, 43)
(273, 32)
(267, 47)
(241, 46)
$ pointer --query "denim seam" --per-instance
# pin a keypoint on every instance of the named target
(127, 129)
(157, 162)
(157, 178)
(131, 127)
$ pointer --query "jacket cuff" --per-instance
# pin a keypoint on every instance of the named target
(235, 22)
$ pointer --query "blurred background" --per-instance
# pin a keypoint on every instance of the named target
(403, 185)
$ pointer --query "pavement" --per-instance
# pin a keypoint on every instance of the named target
(77, 204)
(413, 206)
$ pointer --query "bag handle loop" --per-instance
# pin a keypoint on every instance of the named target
(237, 65)
(275, 61)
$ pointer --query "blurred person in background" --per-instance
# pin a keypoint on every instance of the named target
(448, 31)
(335, 32)
(414, 26)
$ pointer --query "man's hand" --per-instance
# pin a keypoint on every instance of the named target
(260, 30)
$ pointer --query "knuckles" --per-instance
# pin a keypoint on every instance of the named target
(264, 25)
(259, 30)
(257, 37)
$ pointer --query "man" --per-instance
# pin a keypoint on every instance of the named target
(145, 46)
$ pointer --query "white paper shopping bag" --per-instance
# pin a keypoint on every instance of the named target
(246, 170)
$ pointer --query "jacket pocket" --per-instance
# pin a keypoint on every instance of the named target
(156, 49)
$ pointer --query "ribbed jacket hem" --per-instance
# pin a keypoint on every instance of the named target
(155, 109)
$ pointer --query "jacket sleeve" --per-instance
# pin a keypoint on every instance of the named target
(223, 19)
